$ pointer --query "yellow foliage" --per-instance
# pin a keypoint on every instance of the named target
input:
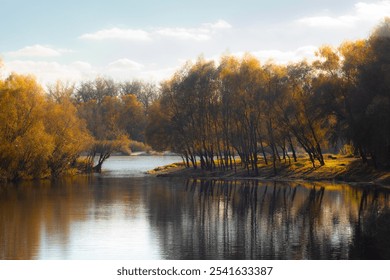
(37, 137)
(24, 144)
(69, 133)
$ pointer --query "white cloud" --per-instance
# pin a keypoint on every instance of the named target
(220, 24)
(284, 57)
(120, 70)
(37, 51)
(202, 33)
(197, 34)
(372, 11)
(125, 64)
(81, 66)
(158, 74)
(328, 22)
(127, 69)
(49, 72)
(117, 33)
(361, 13)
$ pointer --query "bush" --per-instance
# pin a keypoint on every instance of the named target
(136, 146)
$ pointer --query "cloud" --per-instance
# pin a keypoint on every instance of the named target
(361, 13)
(158, 74)
(220, 24)
(202, 33)
(197, 34)
(118, 34)
(37, 51)
(125, 64)
(49, 72)
(126, 69)
(328, 22)
(284, 57)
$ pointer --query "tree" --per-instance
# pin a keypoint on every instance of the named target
(300, 114)
(146, 93)
(362, 98)
(25, 145)
(60, 91)
(103, 121)
(96, 90)
(131, 117)
(248, 90)
(69, 133)
(102, 150)
(374, 91)
(111, 116)
(158, 131)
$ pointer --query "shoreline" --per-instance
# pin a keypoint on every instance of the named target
(336, 170)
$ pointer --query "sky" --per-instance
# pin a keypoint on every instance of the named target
(78, 40)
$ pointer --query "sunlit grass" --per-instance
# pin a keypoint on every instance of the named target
(336, 168)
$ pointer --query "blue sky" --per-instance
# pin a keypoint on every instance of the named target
(150, 39)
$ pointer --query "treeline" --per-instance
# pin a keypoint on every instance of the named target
(210, 113)
(44, 133)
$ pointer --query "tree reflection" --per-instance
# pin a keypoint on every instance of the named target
(194, 219)
(43, 214)
(227, 219)
(372, 230)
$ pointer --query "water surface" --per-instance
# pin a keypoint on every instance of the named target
(118, 216)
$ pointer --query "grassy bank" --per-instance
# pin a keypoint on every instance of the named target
(336, 168)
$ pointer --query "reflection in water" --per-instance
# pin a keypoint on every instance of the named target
(257, 220)
(162, 218)
(82, 218)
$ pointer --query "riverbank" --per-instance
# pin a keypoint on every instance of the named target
(336, 168)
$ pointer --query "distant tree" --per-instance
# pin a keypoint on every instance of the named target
(158, 132)
(103, 121)
(146, 93)
(113, 114)
(102, 150)
(131, 117)
(60, 91)
(96, 90)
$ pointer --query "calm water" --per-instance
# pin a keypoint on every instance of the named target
(123, 214)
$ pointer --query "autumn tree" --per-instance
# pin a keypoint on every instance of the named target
(279, 136)
(374, 95)
(112, 116)
(25, 145)
(228, 67)
(69, 132)
(302, 117)
(145, 92)
(132, 118)
(158, 130)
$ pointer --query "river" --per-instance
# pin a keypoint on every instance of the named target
(125, 214)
